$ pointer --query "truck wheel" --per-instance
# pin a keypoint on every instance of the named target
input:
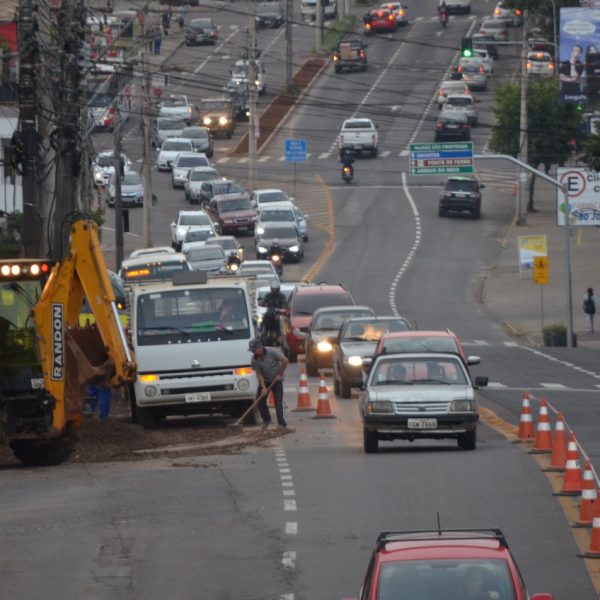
(476, 213)
(338, 70)
(311, 370)
(441, 212)
(468, 440)
(292, 356)
(345, 388)
(336, 385)
(33, 453)
(370, 441)
(375, 152)
(148, 418)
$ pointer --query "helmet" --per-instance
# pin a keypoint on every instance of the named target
(275, 287)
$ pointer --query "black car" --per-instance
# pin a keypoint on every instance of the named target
(462, 194)
(269, 14)
(201, 31)
(486, 42)
(201, 139)
(452, 125)
(357, 339)
(238, 91)
(217, 187)
(285, 235)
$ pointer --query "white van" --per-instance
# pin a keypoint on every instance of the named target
(190, 337)
(241, 72)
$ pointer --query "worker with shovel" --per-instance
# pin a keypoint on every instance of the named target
(269, 365)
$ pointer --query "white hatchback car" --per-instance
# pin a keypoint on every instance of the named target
(182, 165)
(176, 106)
(169, 151)
(451, 87)
(465, 104)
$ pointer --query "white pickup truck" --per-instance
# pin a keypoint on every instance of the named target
(358, 135)
(308, 9)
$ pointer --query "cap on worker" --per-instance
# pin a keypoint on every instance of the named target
(253, 344)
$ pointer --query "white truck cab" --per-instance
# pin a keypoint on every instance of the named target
(190, 337)
(308, 9)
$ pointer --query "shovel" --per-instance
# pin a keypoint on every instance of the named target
(238, 423)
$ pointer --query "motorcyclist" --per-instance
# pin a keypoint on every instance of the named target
(274, 299)
(443, 12)
(347, 159)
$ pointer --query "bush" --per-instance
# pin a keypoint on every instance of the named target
(336, 31)
(555, 334)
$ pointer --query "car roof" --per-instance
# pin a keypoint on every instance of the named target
(268, 190)
(227, 238)
(190, 154)
(203, 168)
(178, 139)
(420, 333)
(160, 257)
(345, 307)
(317, 288)
(461, 178)
(232, 196)
(452, 114)
(192, 212)
(152, 250)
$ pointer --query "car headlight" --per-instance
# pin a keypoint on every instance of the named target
(261, 249)
(385, 407)
(223, 120)
(181, 231)
(294, 248)
(257, 83)
(324, 346)
(355, 361)
(260, 230)
(98, 177)
(460, 406)
(207, 120)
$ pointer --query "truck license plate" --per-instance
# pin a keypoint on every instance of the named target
(357, 146)
(422, 423)
(198, 397)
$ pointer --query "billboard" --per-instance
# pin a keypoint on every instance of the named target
(530, 247)
(583, 189)
(579, 55)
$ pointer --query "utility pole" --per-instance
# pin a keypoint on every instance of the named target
(147, 147)
(119, 167)
(27, 141)
(319, 25)
(252, 75)
(289, 15)
(523, 176)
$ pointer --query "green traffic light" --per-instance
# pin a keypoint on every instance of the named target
(467, 53)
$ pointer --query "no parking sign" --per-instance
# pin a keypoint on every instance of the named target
(583, 190)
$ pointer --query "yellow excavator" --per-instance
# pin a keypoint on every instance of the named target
(46, 357)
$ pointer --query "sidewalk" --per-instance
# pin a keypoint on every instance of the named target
(516, 300)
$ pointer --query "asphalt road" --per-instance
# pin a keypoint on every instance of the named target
(299, 520)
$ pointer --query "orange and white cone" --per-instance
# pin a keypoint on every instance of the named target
(543, 435)
(323, 407)
(594, 548)
(572, 482)
(525, 420)
(304, 401)
(271, 400)
(589, 496)
(559, 446)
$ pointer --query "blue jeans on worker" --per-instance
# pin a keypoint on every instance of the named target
(99, 397)
(263, 409)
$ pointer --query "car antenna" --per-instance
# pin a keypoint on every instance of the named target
(439, 525)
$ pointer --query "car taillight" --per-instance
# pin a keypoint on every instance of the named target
(439, 125)
(465, 126)
(460, 69)
(481, 70)
(550, 66)
(335, 58)
(390, 17)
(529, 65)
(367, 26)
(362, 54)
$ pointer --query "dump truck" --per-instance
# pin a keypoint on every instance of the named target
(46, 357)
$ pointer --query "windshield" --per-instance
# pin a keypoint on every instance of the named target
(306, 304)
(371, 330)
(358, 125)
(153, 271)
(201, 24)
(101, 101)
(130, 178)
(106, 160)
(272, 197)
(227, 187)
(455, 185)
(20, 368)
(224, 243)
(174, 102)
(192, 315)
(334, 320)
(198, 235)
(277, 215)
(470, 68)
(195, 219)
(421, 344)
(445, 578)
(240, 71)
(171, 145)
(203, 175)
(460, 101)
(411, 371)
(206, 253)
(213, 105)
(233, 205)
(191, 161)
(170, 125)
(195, 133)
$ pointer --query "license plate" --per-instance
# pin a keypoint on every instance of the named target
(198, 397)
(422, 423)
(451, 126)
(358, 146)
(243, 227)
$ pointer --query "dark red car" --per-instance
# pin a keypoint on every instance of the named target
(302, 304)
(379, 21)
(232, 213)
(472, 563)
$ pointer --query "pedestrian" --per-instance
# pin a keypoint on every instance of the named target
(589, 308)
(157, 40)
(269, 364)
(99, 396)
(166, 20)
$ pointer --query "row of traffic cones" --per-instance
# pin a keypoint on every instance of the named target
(564, 458)
(304, 402)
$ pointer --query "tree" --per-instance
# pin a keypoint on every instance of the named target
(591, 151)
(551, 125)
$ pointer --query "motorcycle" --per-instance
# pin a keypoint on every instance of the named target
(275, 255)
(232, 266)
(347, 173)
(444, 19)
(270, 331)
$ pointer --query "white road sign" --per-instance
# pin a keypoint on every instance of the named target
(583, 189)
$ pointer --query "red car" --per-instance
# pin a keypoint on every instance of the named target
(232, 213)
(302, 304)
(424, 341)
(472, 563)
(379, 21)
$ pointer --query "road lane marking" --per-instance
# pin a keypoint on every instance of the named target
(223, 160)
(291, 528)
(288, 560)
(215, 51)
(324, 155)
(263, 159)
(289, 505)
(553, 386)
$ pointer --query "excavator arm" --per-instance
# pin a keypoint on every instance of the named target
(73, 356)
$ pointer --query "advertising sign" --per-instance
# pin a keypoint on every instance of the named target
(579, 55)
(530, 247)
(583, 188)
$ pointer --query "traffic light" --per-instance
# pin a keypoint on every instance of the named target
(466, 50)
(580, 107)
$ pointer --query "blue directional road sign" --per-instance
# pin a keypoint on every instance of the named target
(295, 150)
(450, 158)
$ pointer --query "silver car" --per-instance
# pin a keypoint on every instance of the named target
(183, 163)
(104, 166)
(301, 223)
(165, 128)
(473, 73)
(176, 106)
(194, 181)
(206, 258)
(132, 190)
(420, 395)
(464, 103)
(169, 151)
(540, 64)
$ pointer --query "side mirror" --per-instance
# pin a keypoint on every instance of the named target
(482, 382)
(473, 360)
(481, 186)
(358, 383)
(306, 217)
(173, 225)
(376, 126)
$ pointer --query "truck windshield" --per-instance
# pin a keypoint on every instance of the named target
(192, 315)
(20, 366)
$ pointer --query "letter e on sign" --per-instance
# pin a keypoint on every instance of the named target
(540, 270)
(575, 182)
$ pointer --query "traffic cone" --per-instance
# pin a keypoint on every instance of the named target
(304, 401)
(559, 446)
(543, 435)
(572, 482)
(589, 496)
(323, 408)
(594, 548)
(525, 420)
